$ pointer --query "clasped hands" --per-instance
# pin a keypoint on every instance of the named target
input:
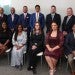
(51, 49)
(34, 47)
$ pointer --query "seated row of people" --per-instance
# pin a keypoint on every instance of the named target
(53, 42)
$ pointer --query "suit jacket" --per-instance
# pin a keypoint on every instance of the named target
(69, 43)
(33, 20)
(4, 18)
(25, 21)
(68, 26)
(12, 24)
(49, 20)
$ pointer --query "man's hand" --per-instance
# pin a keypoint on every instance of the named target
(65, 33)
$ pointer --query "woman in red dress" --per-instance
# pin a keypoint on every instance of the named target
(54, 43)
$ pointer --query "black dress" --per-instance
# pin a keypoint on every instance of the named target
(4, 36)
(38, 40)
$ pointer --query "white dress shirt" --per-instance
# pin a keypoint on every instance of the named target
(25, 14)
(53, 14)
(12, 16)
(1, 15)
(68, 19)
(37, 17)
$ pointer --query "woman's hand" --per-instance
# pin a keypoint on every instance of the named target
(19, 47)
(50, 49)
(34, 47)
(73, 52)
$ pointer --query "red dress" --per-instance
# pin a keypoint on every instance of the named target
(54, 41)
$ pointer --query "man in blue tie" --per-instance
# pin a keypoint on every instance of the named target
(12, 19)
(37, 17)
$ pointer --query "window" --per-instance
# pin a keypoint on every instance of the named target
(5, 2)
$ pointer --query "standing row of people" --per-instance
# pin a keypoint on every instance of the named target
(28, 20)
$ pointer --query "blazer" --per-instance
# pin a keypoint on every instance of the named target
(33, 20)
(57, 19)
(68, 26)
(69, 43)
(4, 18)
(12, 24)
(25, 22)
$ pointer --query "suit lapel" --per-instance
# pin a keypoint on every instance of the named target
(69, 20)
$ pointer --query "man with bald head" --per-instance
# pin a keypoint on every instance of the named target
(3, 17)
(12, 19)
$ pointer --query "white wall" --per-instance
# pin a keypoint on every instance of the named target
(61, 5)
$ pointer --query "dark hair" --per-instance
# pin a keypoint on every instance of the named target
(55, 23)
(1, 28)
(53, 6)
(37, 6)
(16, 32)
(35, 28)
(25, 6)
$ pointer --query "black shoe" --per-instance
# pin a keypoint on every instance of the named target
(30, 68)
(20, 67)
(34, 71)
(16, 66)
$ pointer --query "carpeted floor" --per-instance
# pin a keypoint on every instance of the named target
(6, 69)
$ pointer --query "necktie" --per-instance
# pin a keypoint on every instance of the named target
(52, 16)
(37, 17)
(12, 17)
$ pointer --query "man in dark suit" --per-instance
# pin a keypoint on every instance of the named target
(12, 19)
(70, 49)
(24, 19)
(53, 16)
(3, 17)
(37, 17)
(68, 21)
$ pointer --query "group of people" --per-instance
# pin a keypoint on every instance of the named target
(19, 31)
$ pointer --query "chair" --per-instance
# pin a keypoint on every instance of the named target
(24, 57)
(8, 54)
(67, 60)
(74, 58)
(40, 55)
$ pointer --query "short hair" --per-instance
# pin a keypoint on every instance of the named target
(25, 6)
(37, 6)
(2, 9)
(53, 6)
(70, 8)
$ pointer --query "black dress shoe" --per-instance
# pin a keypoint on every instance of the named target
(16, 66)
(34, 71)
(30, 68)
(20, 67)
